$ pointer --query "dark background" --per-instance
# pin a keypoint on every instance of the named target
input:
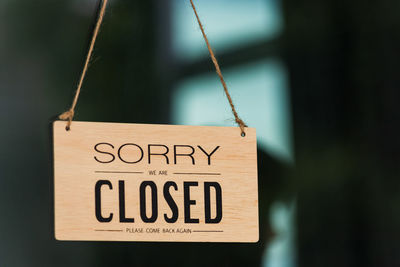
(343, 63)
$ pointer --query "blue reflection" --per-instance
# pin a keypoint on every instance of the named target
(281, 252)
(228, 23)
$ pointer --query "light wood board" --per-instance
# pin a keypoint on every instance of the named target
(98, 166)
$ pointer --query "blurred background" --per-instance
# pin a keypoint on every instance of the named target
(318, 79)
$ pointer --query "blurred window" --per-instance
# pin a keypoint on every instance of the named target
(243, 33)
(258, 85)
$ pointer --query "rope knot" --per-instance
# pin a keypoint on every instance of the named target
(67, 116)
(241, 124)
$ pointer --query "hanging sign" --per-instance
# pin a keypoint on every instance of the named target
(138, 182)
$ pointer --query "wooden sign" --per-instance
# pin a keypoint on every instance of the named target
(137, 182)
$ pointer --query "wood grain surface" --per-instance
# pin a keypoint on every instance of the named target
(138, 182)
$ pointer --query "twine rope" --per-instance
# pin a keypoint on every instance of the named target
(238, 120)
(69, 114)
